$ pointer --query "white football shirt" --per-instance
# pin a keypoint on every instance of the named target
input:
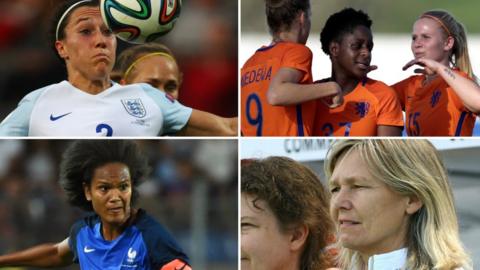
(62, 110)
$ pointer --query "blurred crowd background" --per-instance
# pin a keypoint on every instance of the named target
(192, 191)
(204, 41)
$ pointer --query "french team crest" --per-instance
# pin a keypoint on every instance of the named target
(134, 107)
(131, 255)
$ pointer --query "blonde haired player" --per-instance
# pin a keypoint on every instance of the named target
(151, 63)
(436, 103)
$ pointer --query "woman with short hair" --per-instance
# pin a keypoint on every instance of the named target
(284, 216)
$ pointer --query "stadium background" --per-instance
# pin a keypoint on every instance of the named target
(204, 41)
(192, 191)
(460, 157)
(392, 25)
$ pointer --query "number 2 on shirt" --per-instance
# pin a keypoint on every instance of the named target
(105, 127)
(258, 120)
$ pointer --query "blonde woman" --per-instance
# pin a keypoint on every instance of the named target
(151, 63)
(155, 64)
(393, 206)
(436, 103)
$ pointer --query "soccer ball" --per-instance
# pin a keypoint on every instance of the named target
(140, 21)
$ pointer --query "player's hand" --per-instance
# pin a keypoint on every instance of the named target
(372, 68)
(336, 99)
(430, 67)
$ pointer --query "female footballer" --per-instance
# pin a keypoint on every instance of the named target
(151, 63)
(370, 107)
(88, 103)
(436, 103)
(154, 63)
(102, 176)
(276, 82)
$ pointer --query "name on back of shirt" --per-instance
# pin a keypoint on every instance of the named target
(257, 75)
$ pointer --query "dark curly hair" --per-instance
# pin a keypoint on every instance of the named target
(341, 23)
(82, 157)
(57, 15)
(282, 13)
(296, 196)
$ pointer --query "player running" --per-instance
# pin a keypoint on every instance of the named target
(102, 176)
(276, 82)
(436, 103)
(370, 107)
(89, 103)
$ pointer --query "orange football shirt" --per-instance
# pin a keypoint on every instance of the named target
(258, 117)
(434, 109)
(371, 104)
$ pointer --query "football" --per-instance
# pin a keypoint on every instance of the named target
(140, 21)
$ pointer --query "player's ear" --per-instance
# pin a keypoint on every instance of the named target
(449, 43)
(413, 205)
(302, 17)
(299, 237)
(61, 49)
(334, 48)
(86, 191)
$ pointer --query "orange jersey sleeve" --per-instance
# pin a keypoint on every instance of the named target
(434, 109)
(389, 112)
(369, 105)
(258, 117)
(400, 90)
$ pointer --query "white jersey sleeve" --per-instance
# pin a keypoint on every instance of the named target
(17, 122)
(175, 115)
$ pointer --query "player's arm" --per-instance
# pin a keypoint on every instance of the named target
(176, 264)
(389, 131)
(17, 122)
(285, 90)
(46, 255)
(203, 123)
(466, 89)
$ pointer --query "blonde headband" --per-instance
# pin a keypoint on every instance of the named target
(145, 56)
(66, 13)
(437, 20)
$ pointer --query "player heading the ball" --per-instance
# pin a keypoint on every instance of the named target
(88, 103)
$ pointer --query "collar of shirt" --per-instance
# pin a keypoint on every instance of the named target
(394, 260)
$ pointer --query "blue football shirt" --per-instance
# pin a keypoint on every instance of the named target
(143, 245)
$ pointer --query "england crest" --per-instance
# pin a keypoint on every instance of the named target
(134, 107)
